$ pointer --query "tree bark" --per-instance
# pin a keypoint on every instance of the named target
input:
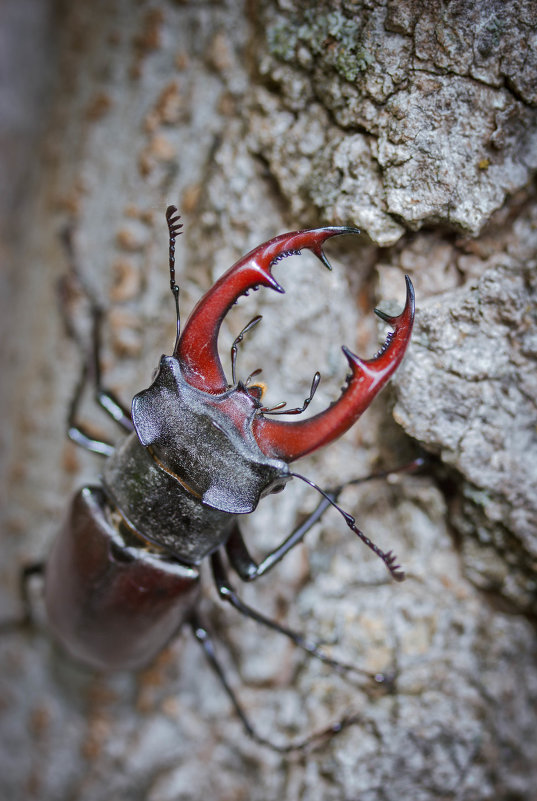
(415, 122)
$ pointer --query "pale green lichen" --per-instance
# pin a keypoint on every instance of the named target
(332, 36)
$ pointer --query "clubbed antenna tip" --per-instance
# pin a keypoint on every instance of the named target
(388, 557)
(172, 218)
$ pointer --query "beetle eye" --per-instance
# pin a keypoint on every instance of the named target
(257, 391)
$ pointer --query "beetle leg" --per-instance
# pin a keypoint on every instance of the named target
(388, 557)
(92, 362)
(104, 397)
(91, 371)
(77, 432)
(202, 636)
(26, 573)
(249, 570)
(227, 593)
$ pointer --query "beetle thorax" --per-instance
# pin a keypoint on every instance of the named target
(205, 441)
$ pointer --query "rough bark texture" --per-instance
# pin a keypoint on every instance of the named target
(416, 122)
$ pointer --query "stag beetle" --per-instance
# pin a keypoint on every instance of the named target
(123, 574)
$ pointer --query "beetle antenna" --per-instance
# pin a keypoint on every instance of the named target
(172, 218)
(278, 409)
(252, 375)
(236, 343)
(274, 409)
(388, 557)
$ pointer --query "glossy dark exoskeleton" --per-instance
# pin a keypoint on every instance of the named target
(123, 575)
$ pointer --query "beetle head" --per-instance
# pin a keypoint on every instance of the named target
(217, 440)
(205, 441)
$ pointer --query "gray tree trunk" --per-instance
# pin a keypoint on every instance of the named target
(416, 122)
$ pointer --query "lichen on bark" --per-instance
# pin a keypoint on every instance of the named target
(443, 96)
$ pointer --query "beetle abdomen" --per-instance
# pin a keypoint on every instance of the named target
(111, 604)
